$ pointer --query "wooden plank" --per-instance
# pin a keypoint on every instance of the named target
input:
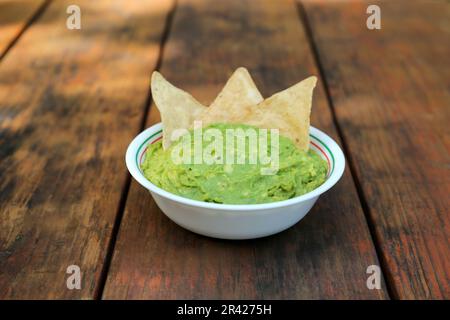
(14, 16)
(70, 101)
(324, 256)
(390, 89)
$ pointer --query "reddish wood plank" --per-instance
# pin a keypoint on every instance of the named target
(14, 16)
(70, 101)
(390, 90)
(324, 256)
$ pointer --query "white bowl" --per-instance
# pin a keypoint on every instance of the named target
(235, 221)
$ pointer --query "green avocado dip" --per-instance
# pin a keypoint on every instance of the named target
(297, 173)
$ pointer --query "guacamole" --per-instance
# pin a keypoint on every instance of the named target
(297, 172)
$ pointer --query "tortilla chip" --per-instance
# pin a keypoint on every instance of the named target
(288, 110)
(178, 108)
(238, 102)
(236, 97)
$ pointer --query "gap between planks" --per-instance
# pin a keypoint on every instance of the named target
(126, 186)
(392, 293)
(34, 17)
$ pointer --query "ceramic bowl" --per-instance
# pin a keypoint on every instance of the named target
(233, 221)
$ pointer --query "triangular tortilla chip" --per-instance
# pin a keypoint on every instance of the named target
(288, 110)
(238, 94)
(178, 108)
(239, 102)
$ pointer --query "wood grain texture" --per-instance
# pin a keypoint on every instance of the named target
(70, 102)
(323, 256)
(391, 91)
(14, 16)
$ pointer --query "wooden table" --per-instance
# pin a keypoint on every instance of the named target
(72, 100)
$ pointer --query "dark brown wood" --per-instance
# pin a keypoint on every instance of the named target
(324, 256)
(14, 16)
(391, 91)
(70, 102)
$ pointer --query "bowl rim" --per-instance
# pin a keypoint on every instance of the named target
(332, 179)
